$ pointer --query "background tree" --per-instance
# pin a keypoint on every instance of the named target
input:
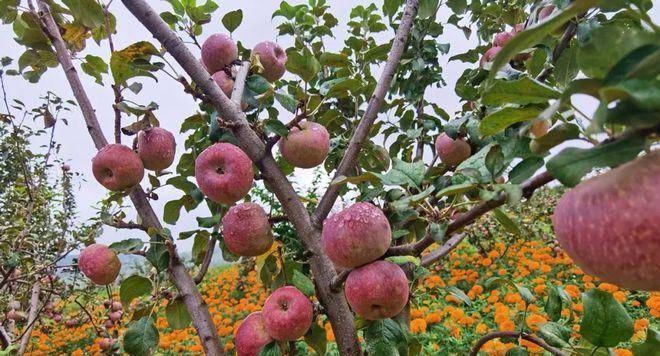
(518, 107)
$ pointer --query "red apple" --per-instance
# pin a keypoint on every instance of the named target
(272, 58)
(156, 148)
(246, 230)
(116, 306)
(609, 224)
(218, 51)
(224, 173)
(452, 152)
(378, 290)
(539, 128)
(251, 335)
(307, 146)
(287, 314)
(489, 55)
(106, 343)
(99, 263)
(115, 316)
(117, 167)
(224, 81)
(501, 38)
(545, 12)
(356, 235)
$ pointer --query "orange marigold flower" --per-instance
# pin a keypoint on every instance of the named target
(418, 326)
(641, 324)
(481, 328)
(622, 352)
(433, 318)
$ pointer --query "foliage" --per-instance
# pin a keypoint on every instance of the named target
(604, 49)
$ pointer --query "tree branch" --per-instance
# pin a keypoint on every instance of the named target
(468, 217)
(443, 250)
(335, 304)
(32, 317)
(561, 46)
(178, 273)
(127, 225)
(501, 334)
(208, 257)
(339, 280)
(370, 114)
(482, 208)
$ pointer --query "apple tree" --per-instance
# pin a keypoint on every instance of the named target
(411, 175)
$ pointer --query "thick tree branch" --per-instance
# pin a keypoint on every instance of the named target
(335, 304)
(370, 114)
(32, 317)
(501, 334)
(178, 273)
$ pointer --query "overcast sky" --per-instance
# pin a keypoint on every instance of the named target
(175, 106)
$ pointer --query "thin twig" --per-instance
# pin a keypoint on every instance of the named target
(340, 278)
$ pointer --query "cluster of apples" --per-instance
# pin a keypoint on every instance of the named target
(355, 238)
(286, 316)
(117, 167)
(502, 38)
(115, 312)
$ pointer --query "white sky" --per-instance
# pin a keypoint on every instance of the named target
(175, 105)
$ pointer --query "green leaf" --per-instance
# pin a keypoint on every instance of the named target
(133, 61)
(607, 45)
(88, 12)
(553, 305)
(404, 173)
(521, 91)
(382, 337)
(172, 211)
(567, 66)
(157, 254)
(650, 347)
(509, 225)
(495, 161)
(536, 33)
(427, 8)
(272, 349)
(503, 118)
(516, 351)
(554, 137)
(141, 338)
(640, 63)
(458, 293)
(126, 246)
(133, 287)
(456, 189)
(232, 20)
(316, 338)
(378, 53)
(334, 59)
(571, 164)
(555, 334)
(287, 101)
(303, 64)
(275, 126)
(199, 247)
(177, 315)
(302, 282)
(94, 66)
(605, 322)
(525, 169)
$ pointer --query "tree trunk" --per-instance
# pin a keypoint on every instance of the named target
(177, 271)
